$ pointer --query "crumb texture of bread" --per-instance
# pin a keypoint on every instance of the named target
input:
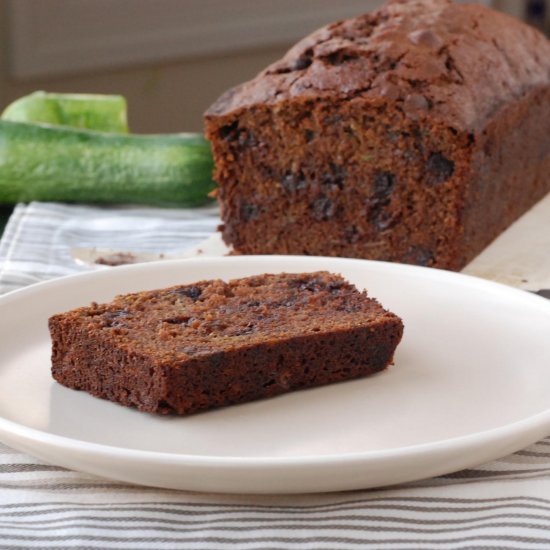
(416, 134)
(190, 348)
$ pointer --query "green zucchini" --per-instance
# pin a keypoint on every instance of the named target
(105, 113)
(54, 163)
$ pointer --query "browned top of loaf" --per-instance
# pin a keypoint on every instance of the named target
(459, 63)
(214, 316)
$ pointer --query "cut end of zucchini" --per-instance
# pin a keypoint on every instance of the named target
(104, 113)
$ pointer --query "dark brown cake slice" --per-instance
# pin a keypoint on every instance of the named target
(194, 347)
(415, 134)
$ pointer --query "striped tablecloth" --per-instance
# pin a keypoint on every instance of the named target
(504, 504)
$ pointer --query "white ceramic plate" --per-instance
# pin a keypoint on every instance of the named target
(470, 383)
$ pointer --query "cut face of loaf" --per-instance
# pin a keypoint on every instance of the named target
(414, 134)
(195, 347)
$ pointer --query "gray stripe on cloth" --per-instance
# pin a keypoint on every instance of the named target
(15, 468)
(284, 524)
(327, 539)
(440, 507)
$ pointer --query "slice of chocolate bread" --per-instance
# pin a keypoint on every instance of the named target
(194, 347)
(414, 134)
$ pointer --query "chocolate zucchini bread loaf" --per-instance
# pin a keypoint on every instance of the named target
(415, 134)
(188, 348)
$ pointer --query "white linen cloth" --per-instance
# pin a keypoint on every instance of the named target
(504, 504)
